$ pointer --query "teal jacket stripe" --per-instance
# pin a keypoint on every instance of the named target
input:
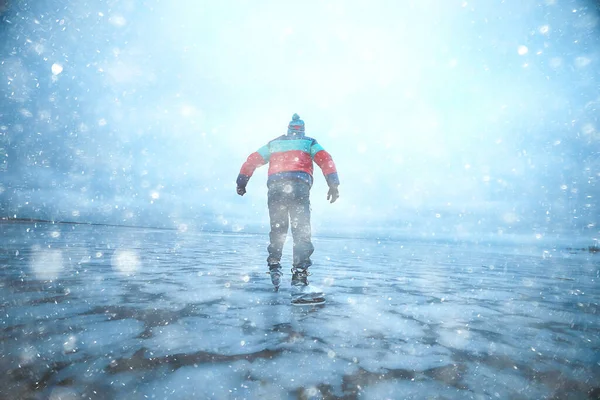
(280, 146)
(265, 153)
(315, 148)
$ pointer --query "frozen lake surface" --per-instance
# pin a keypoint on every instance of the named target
(108, 312)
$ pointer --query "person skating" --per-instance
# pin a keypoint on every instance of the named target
(290, 178)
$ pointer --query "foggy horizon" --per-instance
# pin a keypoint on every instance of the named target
(445, 119)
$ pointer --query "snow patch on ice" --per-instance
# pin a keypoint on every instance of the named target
(210, 381)
(62, 393)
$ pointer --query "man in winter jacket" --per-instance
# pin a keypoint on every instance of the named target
(290, 158)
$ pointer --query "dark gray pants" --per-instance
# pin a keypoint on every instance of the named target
(289, 202)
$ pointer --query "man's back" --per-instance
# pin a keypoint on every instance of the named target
(290, 158)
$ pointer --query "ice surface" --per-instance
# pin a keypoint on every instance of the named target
(108, 312)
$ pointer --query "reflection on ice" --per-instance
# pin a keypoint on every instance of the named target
(175, 314)
(125, 262)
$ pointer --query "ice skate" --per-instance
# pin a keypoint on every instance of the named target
(302, 292)
(276, 273)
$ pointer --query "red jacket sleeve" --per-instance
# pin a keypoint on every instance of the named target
(325, 162)
(254, 161)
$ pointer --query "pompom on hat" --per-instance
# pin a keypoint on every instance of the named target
(296, 126)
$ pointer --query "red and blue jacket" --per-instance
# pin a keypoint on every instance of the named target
(290, 157)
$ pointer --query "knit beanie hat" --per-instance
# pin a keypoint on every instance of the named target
(296, 126)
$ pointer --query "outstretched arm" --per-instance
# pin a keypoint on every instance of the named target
(255, 160)
(325, 162)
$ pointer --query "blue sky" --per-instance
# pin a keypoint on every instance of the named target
(449, 118)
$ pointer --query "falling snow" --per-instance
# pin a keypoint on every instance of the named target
(461, 260)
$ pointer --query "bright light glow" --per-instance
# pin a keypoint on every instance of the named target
(47, 264)
(186, 111)
(522, 50)
(125, 262)
(57, 69)
(117, 20)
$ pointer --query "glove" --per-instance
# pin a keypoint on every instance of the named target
(333, 194)
(241, 182)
